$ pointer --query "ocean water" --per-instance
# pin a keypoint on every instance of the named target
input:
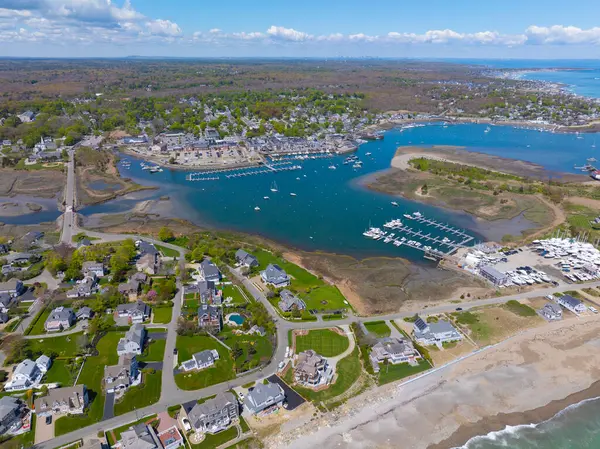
(576, 427)
(332, 209)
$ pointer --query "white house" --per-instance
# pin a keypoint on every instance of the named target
(95, 268)
(201, 360)
(435, 333)
(572, 304)
(43, 363)
(26, 375)
(551, 312)
(133, 341)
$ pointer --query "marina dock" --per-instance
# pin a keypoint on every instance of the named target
(238, 173)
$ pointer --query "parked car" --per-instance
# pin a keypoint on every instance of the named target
(48, 420)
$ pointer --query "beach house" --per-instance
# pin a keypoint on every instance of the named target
(209, 271)
(11, 414)
(275, 275)
(312, 370)
(214, 415)
(139, 436)
(26, 375)
(393, 350)
(572, 304)
(245, 259)
(264, 398)
(435, 333)
(289, 301)
(551, 312)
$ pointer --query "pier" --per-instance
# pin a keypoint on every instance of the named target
(241, 172)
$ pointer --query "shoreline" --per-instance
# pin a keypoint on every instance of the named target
(461, 437)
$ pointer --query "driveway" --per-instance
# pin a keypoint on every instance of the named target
(157, 335)
(294, 400)
(43, 431)
(109, 403)
(155, 365)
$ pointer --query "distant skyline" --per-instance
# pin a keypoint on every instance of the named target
(532, 29)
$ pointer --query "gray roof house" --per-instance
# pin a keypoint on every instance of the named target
(83, 288)
(26, 375)
(493, 275)
(95, 268)
(133, 341)
(394, 351)
(140, 436)
(43, 363)
(59, 319)
(85, 313)
(275, 275)
(246, 259)
(572, 304)
(209, 271)
(210, 318)
(201, 360)
(290, 301)
(146, 248)
(435, 333)
(11, 410)
(4, 318)
(214, 415)
(71, 400)
(551, 312)
(312, 369)
(206, 290)
(13, 287)
(138, 311)
(120, 376)
(263, 397)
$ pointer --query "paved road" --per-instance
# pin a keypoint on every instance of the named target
(69, 216)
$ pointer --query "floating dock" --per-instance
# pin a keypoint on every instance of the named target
(241, 172)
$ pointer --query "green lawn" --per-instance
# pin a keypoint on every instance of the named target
(222, 371)
(155, 351)
(261, 345)
(324, 341)
(520, 309)
(167, 252)
(378, 328)
(66, 346)
(91, 376)
(234, 292)
(142, 395)
(39, 321)
(13, 325)
(162, 315)
(302, 279)
(390, 373)
(216, 440)
(59, 372)
(348, 371)
(326, 297)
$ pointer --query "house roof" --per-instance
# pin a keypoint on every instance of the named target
(26, 368)
(134, 307)
(60, 314)
(570, 301)
(139, 437)
(8, 405)
(85, 310)
(393, 345)
(203, 357)
(492, 272)
(73, 396)
(420, 324)
(43, 360)
(211, 407)
(209, 269)
(147, 248)
(10, 285)
(91, 265)
(274, 273)
(262, 393)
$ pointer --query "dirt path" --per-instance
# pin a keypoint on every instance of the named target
(559, 218)
(580, 201)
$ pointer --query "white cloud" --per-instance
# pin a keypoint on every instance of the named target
(161, 27)
(562, 35)
(288, 34)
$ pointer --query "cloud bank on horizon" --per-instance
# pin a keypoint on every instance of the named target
(85, 23)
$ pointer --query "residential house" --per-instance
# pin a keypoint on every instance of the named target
(246, 259)
(11, 413)
(263, 398)
(25, 376)
(43, 363)
(214, 415)
(13, 287)
(393, 350)
(85, 313)
(257, 330)
(31, 238)
(312, 370)
(93, 268)
(570, 303)
(26, 117)
(435, 333)
(119, 377)
(137, 312)
(131, 289)
(207, 292)
(4, 318)
(146, 248)
(551, 312)
(142, 278)
(210, 318)
(275, 275)
(148, 263)
(71, 400)
(494, 276)
(3, 249)
(140, 436)
(5, 301)
(201, 360)
(59, 319)
(83, 288)
(171, 438)
(289, 301)
(133, 341)
(209, 271)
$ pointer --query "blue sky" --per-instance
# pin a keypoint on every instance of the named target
(431, 28)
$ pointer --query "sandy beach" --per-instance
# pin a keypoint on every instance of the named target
(525, 379)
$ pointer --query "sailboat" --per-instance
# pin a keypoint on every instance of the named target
(274, 187)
